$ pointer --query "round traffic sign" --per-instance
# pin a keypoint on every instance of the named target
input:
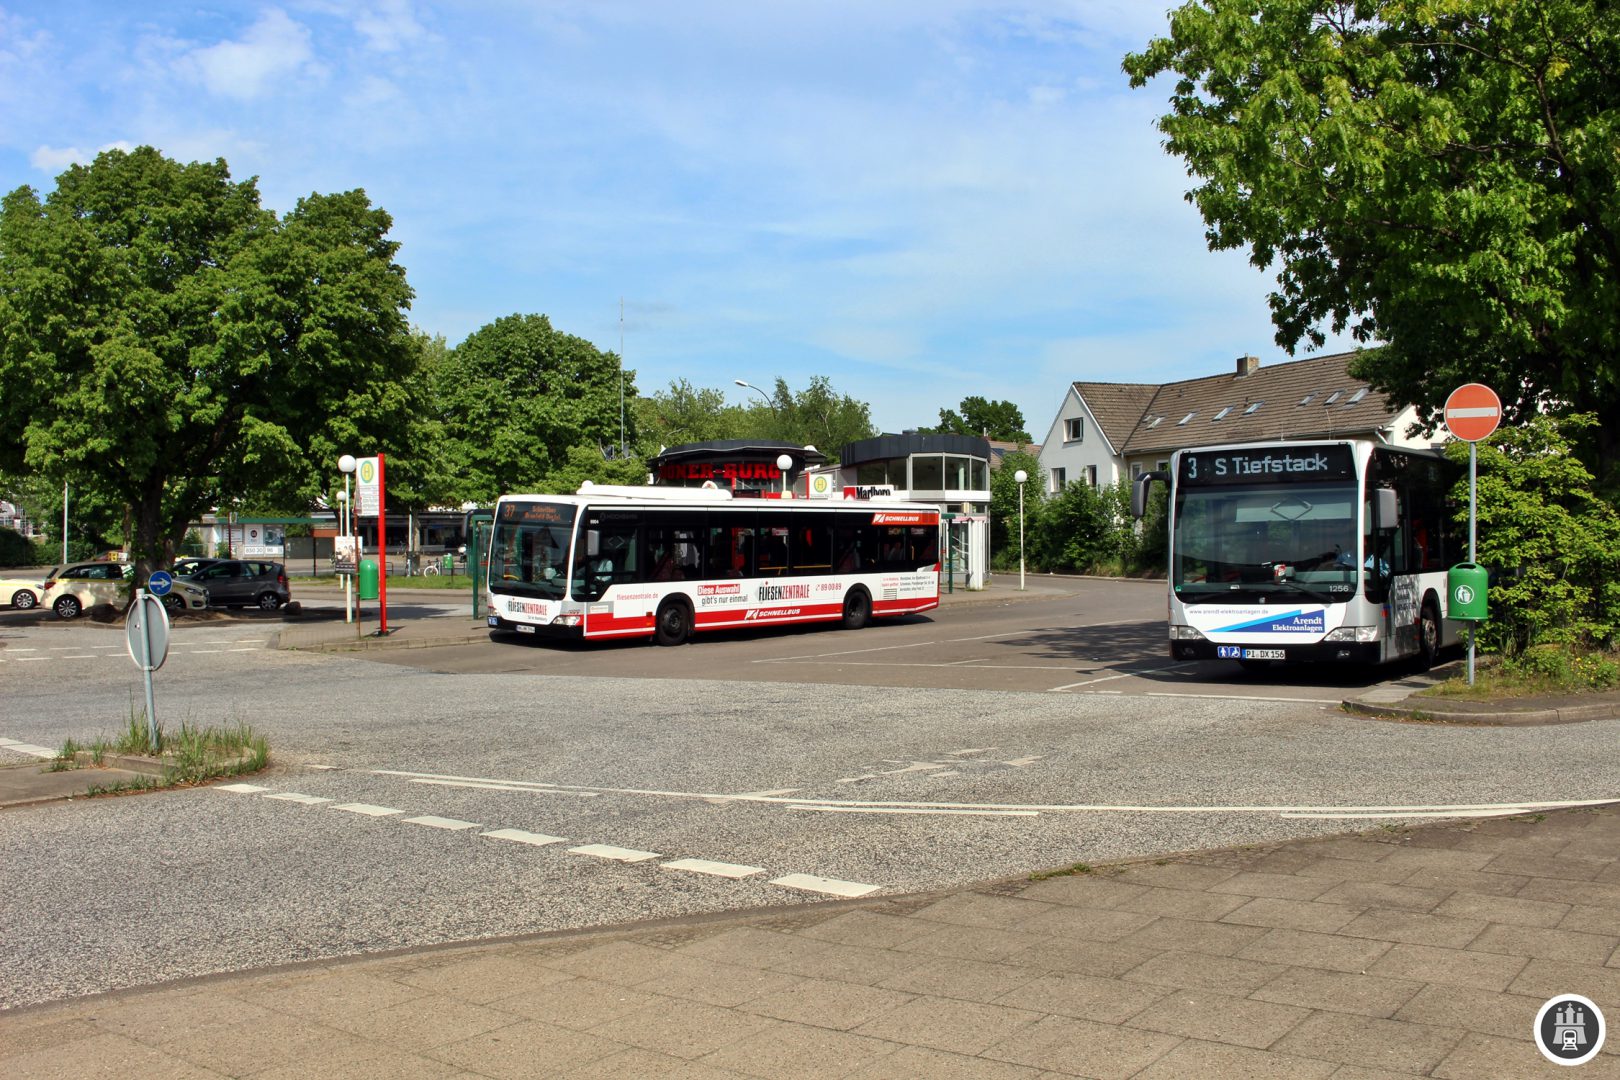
(147, 629)
(1472, 412)
(160, 583)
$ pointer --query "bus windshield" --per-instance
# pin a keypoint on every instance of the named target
(528, 554)
(1260, 541)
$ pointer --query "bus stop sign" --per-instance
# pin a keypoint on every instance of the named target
(1472, 412)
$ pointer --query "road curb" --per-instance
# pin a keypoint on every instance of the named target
(1499, 717)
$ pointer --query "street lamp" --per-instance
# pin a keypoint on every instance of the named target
(1020, 476)
(757, 390)
(784, 462)
(346, 465)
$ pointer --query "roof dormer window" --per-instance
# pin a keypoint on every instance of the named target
(1254, 407)
(1186, 419)
(1222, 414)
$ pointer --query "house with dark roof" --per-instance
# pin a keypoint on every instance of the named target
(1107, 431)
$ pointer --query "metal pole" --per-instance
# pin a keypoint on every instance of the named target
(348, 579)
(382, 547)
(1473, 471)
(146, 665)
(64, 521)
(1020, 537)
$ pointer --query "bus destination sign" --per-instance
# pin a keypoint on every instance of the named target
(1261, 464)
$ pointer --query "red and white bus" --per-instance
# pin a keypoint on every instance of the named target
(622, 562)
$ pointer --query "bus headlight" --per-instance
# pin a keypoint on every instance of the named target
(568, 620)
(1361, 634)
(1179, 632)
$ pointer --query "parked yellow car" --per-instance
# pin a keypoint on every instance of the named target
(22, 593)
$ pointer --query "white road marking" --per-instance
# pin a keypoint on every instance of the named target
(1059, 808)
(521, 836)
(1020, 762)
(1505, 812)
(760, 794)
(618, 854)
(914, 810)
(293, 796)
(432, 822)
(719, 869)
(25, 659)
(1246, 697)
(245, 788)
(1111, 678)
(830, 886)
(27, 748)
(972, 750)
(366, 808)
(915, 766)
(490, 785)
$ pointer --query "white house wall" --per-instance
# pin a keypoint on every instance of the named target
(1074, 457)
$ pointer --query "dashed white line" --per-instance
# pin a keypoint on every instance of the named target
(450, 824)
(293, 796)
(618, 854)
(718, 869)
(830, 886)
(522, 836)
(244, 788)
(367, 809)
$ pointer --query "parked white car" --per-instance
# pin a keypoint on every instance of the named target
(22, 593)
(73, 590)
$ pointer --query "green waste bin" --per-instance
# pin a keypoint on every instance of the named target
(368, 579)
(1465, 585)
(447, 565)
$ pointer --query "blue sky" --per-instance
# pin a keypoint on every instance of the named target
(921, 200)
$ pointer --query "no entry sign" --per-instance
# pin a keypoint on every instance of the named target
(1472, 412)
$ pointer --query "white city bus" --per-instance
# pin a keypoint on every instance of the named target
(623, 562)
(1331, 550)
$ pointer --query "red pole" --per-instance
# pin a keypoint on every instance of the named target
(382, 548)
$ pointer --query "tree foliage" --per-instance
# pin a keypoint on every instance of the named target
(816, 416)
(1437, 175)
(1555, 545)
(517, 396)
(169, 345)
(999, 420)
(687, 414)
(1004, 509)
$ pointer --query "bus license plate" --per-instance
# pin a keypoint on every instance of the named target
(522, 629)
(1238, 652)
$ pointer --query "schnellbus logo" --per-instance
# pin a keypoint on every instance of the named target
(1569, 1030)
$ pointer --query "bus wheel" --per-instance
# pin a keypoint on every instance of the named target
(1429, 634)
(857, 609)
(674, 623)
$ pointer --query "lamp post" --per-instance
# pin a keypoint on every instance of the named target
(757, 390)
(1020, 476)
(784, 462)
(346, 465)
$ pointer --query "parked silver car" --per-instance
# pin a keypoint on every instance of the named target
(240, 583)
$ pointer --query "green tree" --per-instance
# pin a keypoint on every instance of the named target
(1076, 530)
(816, 416)
(687, 414)
(1555, 544)
(517, 396)
(1004, 509)
(169, 344)
(999, 420)
(1437, 175)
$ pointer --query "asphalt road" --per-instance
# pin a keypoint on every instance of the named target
(985, 740)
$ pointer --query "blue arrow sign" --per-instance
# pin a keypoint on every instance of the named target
(160, 583)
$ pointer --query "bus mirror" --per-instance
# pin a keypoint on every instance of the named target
(1386, 512)
(1139, 491)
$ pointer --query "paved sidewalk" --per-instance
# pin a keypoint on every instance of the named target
(1422, 951)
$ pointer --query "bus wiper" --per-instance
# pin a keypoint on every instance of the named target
(1315, 594)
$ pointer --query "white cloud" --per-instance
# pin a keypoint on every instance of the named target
(54, 159)
(272, 49)
(388, 25)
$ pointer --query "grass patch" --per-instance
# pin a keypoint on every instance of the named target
(1067, 871)
(192, 755)
(1539, 671)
